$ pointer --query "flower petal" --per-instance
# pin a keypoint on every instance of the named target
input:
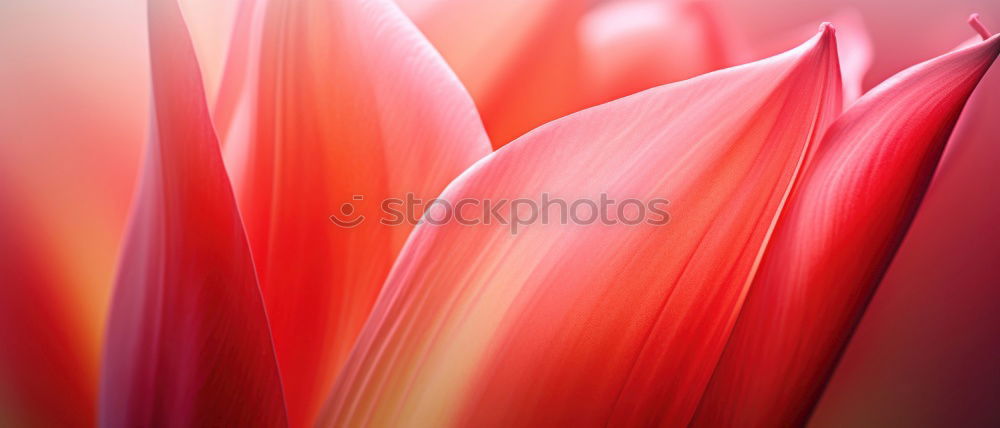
(188, 342)
(345, 100)
(572, 323)
(835, 240)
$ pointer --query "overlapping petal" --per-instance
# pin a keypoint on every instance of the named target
(342, 102)
(830, 249)
(580, 323)
(188, 342)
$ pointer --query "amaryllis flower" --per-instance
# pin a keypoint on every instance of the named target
(258, 284)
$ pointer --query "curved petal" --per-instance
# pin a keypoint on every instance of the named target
(346, 103)
(833, 244)
(571, 323)
(188, 342)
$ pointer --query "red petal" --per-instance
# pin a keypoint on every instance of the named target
(835, 240)
(188, 341)
(343, 98)
(576, 324)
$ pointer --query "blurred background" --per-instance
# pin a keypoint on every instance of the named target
(73, 111)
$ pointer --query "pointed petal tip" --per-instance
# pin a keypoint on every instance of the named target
(827, 28)
(826, 36)
(825, 40)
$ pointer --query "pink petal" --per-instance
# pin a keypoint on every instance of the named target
(188, 342)
(833, 244)
(342, 99)
(575, 324)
